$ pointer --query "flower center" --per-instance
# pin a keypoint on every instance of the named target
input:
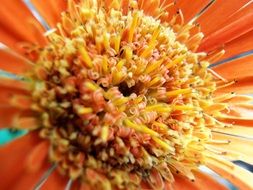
(121, 94)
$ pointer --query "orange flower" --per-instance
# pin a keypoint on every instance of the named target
(125, 94)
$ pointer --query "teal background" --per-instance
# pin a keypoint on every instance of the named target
(8, 135)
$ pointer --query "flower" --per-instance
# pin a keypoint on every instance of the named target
(126, 94)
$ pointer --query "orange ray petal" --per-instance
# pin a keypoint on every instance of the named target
(10, 88)
(55, 181)
(28, 123)
(13, 63)
(85, 186)
(217, 13)
(232, 29)
(244, 42)
(235, 146)
(242, 85)
(149, 8)
(247, 122)
(50, 10)
(20, 27)
(37, 156)
(242, 131)
(6, 96)
(145, 185)
(9, 99)
(202, 181)
(155, 180)
(238, 45)
(191, 7)
(235, 174)
(240, 110)
(13, 156)
(239, 99)
(27, 180)
(21, 87)
(124, 6)
(8, 114)
(238, 68)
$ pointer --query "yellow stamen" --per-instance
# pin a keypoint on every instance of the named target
(176, 61)
(85, 56)
(117, 40)
(120, 64)
(178, 92)
(164, 145)
(84, 110)
(128, 53)
(105, 64)
(106, 41)
(161, 125)
(159, 108)
(104, 133)
(183, 107)
(151, 44)
(86, 14)
(91, 86)
(153, 66)
(140, 128)
(133, 26)
(120, 101)
(154, 81)
(115, 4)
(117, 76)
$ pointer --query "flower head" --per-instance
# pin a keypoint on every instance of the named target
(121, 95)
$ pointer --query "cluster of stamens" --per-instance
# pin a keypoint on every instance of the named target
(123, 97)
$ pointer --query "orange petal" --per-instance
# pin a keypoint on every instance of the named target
(7, 116)
(50, 10)
(37, 156)
(238, 68)
(232, 29)
(244, 10)
(9, 99)
(28, 123)
(13, 63)
(242, 85)
(155, 180)
(85, 186)
(235, 146)
(55, 181)
(28, 180)
(239, 99)
(22, 102)
(17, 28)
(151, 7)
(145, 185)
(20, 86)
(247, 122)
(12, 117)
(244, 42)
(202, 181)
(235, 174)
(191, 7)
(124, 6)
(238, 45)
(15, 104)
(10, 88)
(240, 110)
(13, 156)
(217, 13)
(237, 130)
